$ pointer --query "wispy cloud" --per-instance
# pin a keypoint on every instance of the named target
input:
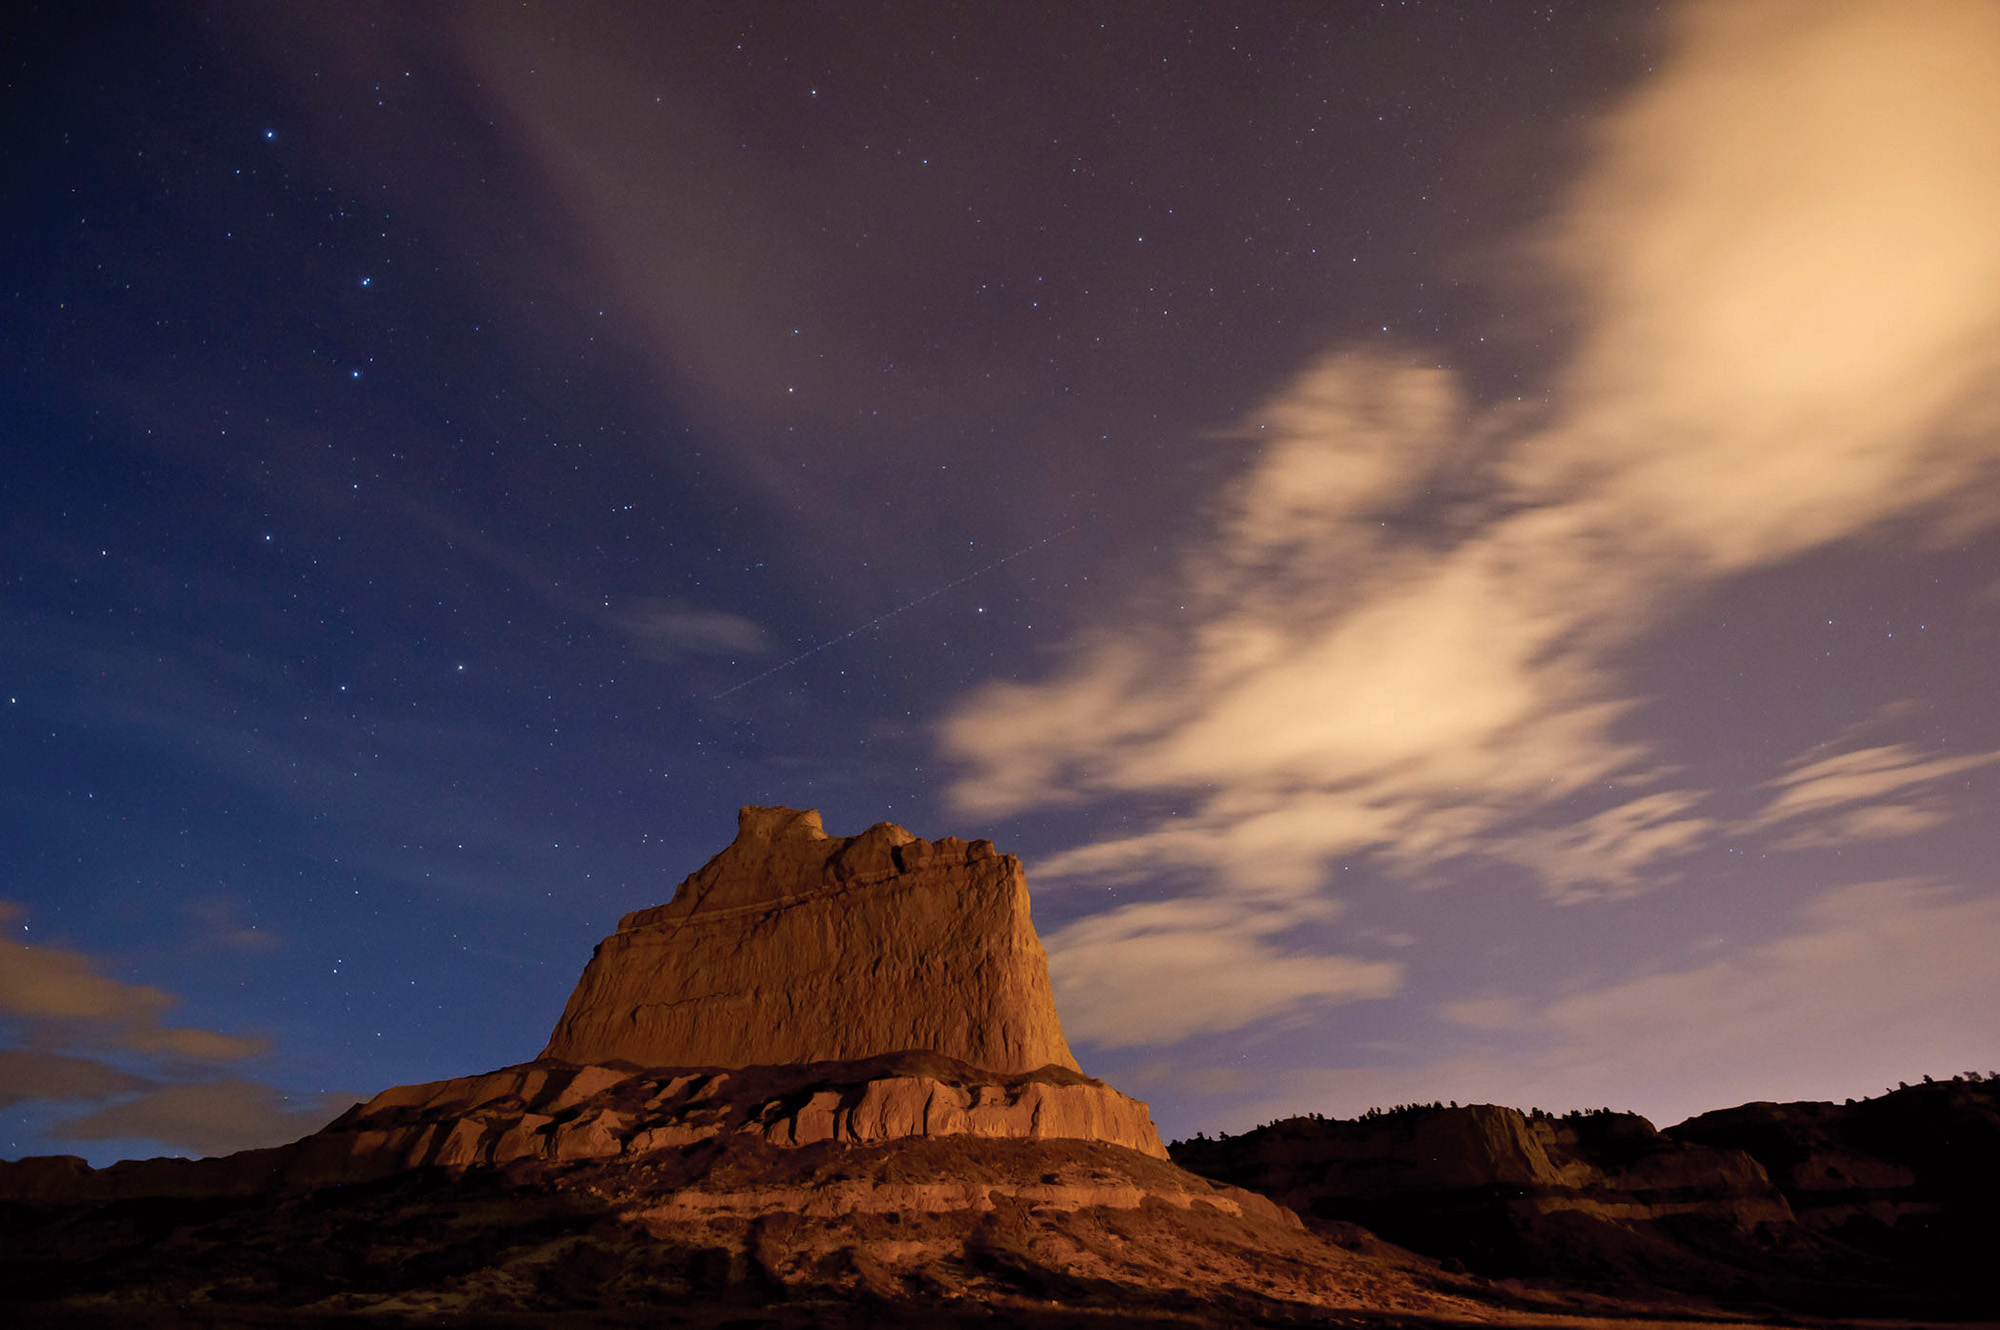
(29, 1074)
(1612, 853)
(101, 1048)
(666, 630)
(1863, 824)
(223, 931)
(1403, 627)
(1160, 971)
(1407, 621)
(207, 1117)
(1815, 786)
(55, 990)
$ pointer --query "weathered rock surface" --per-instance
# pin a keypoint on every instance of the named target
(796, 946)
(800, 988)
(1884, 1205)
(1594, 1196)
(545, 1110)
(931, 1232)
(557, 1111)
(1908, 1179)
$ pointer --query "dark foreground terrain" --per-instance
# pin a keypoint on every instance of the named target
(728, 1232)
(1763, 1215)
(1885, 1207)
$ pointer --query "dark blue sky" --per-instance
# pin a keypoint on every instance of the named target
(1381, 506)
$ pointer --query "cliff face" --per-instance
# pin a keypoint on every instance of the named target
(796, 946)
(1882, 1207)
(1445, 1150)
(1600, 1197)
(1907, 1179)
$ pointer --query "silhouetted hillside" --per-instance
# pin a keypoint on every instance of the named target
(1885, 1204)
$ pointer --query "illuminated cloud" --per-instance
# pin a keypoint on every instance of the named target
(1160, 971)
(1401, 625)
(1860, 824)
(51, 988)
(1485, 1013)
(28, 1074)
(85, 1033)
(1401, 629)
(1610, 854)
(206, 1118)
(1816, 786)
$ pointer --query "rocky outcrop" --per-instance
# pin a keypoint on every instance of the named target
(546, 1110)
(794, 946)
(1911, 1153)
(1434, 1150)
(1599, 1196)
(1907, 1179)
(937, 1232)
(550, 1110)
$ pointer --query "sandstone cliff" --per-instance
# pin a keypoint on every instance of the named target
(796, 946)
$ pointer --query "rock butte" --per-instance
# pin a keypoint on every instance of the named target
(796, 946)
(799, 988)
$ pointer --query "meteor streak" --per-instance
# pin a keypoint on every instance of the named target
(890, 614)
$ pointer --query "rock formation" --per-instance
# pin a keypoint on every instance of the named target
(932, 1233)
(545, 1111)
(1431, 1150)
(1906, 1181)
(800, 988)
(553, 1111)
(827, 1081)
(796, 946)
(1599, 1196)
(1885, 1204)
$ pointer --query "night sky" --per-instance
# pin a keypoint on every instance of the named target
(1459, 542)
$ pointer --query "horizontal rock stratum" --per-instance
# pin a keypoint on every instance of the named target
(796, 946)
(545, 1110)
(548, 1111)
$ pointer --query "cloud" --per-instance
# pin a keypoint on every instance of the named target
(28, 1074)
(1160, 971)
(207, 1118)
(1860, 824)
(665, 630)
(46, 983)
(1815, 786)
(1406, 622)
(225, 933)
(92, 1039)
(1876, 982)
(53, 988)
(1604, 855)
